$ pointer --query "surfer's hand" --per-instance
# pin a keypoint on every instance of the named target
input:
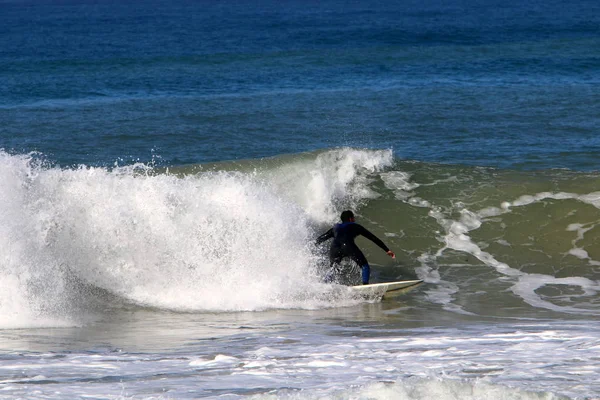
(391, 254)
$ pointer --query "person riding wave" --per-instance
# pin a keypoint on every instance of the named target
(343, 245)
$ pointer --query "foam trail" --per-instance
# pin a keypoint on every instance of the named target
(457, 238)
(455, 235)
(528, 284)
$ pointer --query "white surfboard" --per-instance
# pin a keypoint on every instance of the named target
(386, 289)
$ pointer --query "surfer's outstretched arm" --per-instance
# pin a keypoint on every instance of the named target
(366, 233)
(325, 236)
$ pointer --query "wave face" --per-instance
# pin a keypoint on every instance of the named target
(499, 243)
(239, 236)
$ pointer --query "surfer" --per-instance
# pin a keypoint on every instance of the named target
(343, 245)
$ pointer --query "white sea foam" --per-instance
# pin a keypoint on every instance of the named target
(400, 183)
(523, 361)
(528, 284)
(403, 187)
(590, 198)
(576, 251)
(420, 388)
(456, 237)
(211, 241)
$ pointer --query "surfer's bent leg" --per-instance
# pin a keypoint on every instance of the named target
(361, 260)
(366, 272)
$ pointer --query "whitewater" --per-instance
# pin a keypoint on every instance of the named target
(204, 281)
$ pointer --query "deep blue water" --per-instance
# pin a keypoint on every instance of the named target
(494, 83)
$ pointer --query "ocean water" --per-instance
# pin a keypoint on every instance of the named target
(166, 166)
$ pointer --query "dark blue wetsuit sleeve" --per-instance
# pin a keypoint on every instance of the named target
(325, 236)
(365, 232)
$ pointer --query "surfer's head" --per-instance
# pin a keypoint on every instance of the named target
(347, 216)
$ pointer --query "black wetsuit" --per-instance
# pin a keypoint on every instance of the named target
(343, 245)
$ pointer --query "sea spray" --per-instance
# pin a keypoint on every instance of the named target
(31, 283)
(208, 241)
(332, 181)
